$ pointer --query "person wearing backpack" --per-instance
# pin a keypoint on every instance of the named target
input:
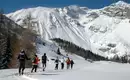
(44, 61)
(62, 63)
(35, 63)
(22, 57)
(68, 63)
(71, 63)
(57, 63)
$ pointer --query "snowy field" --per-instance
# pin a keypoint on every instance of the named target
(83, 70)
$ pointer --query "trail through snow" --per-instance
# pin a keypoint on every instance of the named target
(83, 70)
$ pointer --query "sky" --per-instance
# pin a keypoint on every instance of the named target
(13, 5)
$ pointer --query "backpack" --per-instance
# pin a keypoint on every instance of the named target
(68, 61)
(44, 58)
(72, 62)
(34, 60)
(21, 56)
(56, 61)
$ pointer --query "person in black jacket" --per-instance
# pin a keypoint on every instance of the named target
(22, 58)
(44, 61)
(57, 63)
(71, 63)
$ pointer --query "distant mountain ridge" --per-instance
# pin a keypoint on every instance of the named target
(97, 30)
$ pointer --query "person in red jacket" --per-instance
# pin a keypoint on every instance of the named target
(35, 63)
(68, 63)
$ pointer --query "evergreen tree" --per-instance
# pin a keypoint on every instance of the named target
(5, 58)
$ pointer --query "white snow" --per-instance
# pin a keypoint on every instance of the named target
(123, 30)
(122, 4)
(83, 70)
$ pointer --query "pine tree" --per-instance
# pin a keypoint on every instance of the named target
(7, 56)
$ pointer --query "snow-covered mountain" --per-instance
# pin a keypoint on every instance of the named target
(103, 31)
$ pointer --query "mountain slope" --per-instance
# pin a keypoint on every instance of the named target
(53, 25)
(13, 38)
(92, 29)
(9, 34)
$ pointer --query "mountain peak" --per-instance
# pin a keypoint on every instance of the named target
(73, 7)
(121, 3)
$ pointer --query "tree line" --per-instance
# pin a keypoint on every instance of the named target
(72, 48)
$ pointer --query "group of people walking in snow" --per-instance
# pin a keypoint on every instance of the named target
(62, 61)
(22, 57)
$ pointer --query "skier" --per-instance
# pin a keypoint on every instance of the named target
(57, 63)
(62, 63)
(35, 63)
(68, 63)
(44, 61)
(22, 58)
(71, 63)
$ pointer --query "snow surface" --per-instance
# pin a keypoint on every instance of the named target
(122, 4)
(83, 70)
(90, 29)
